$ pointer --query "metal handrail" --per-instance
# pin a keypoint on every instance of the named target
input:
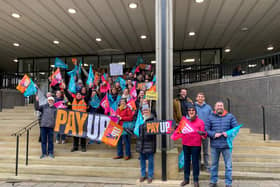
(20, 132)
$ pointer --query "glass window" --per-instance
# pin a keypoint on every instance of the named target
(190, 58)
(91, 60)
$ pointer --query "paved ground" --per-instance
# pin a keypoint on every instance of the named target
(154, 184)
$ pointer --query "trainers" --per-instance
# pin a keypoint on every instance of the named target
(43, 156)
(63, 141)
(196, 184)
(74, 149)
(57, 142)
(117, 157)
(142, 179)
(150, 180)
(51, 155)
(84, 149)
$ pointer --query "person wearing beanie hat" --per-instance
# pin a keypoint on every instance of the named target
(191, 131)
(146, 145)
(47, 122)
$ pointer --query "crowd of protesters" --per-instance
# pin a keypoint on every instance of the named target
(199, 115)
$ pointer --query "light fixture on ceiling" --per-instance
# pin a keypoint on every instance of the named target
(16, 44)
(227, 50)
(72, 11)
(15, 60)
(132, 5)
(244, 29)
(56, 42)
(16, 15)
(143, 37)
(199, 1)
(153, 62)
(189, 60)
(98, 39)
(191, 33)
(42, 73)
(52, 66)
(270, 48)
(86, 65)
(122, 63)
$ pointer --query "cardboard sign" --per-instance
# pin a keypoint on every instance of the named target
(116, 69)
(112, 134)
(159, 127)
(150, 95)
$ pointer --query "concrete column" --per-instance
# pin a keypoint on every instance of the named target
(164, 72)
(164, 59)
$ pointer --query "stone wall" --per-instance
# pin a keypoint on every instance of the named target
(10, 98)
(246, 95)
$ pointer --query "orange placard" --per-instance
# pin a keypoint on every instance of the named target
(112, 134)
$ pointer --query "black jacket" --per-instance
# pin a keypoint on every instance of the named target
(146, 143)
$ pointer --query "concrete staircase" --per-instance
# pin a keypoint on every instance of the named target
(252, 158)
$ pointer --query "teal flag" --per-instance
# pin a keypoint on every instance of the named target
(95, 102)
(122, 82)
(114, 103)
(139, 122)
(58, 63)
(31, 89)
(231, 134)
(154, 79)
(72, 85)
(181, 160)
(90, 79)
(73, 72)
(133, 70)
(139, 60)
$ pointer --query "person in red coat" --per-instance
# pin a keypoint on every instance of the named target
(191, 131)
(124, 114)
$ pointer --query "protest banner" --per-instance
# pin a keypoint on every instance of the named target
(159, 127)
(151, 95)
(116, 69)
(85, 125)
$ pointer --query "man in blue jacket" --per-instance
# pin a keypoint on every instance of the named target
(203, 111)
(216, 126)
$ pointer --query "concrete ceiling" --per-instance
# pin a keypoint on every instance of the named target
(217, 24)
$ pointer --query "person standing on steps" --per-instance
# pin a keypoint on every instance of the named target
(191, 133)
(203, 111)
(216, 126)
(48, 112)
(146, 146)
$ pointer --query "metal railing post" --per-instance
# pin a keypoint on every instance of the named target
(17, 155)
(264, 125)
(27, 145)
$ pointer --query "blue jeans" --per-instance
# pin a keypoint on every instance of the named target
(46, 138)
(150, 158)
(215, 155)
(126, 139)
(62, 136)
(191, 153)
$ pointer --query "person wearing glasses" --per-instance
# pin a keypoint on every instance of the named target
(191, 131)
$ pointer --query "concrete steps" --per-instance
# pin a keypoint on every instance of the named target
(252, 157)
